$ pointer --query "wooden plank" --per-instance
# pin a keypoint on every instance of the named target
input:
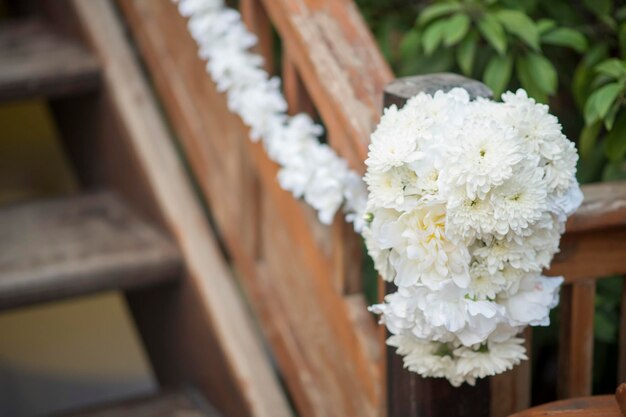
(590, 254)
(201, 332)
(258, 22)
(36, 62)
(168, 404)
(598, 406)
(73, 246)
(286, 278)
(621, 369)
(604, 206)
(576, 339)
(340, 64)
(511, 391)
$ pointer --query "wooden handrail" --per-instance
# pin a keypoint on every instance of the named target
(340, 64)
(604, 207)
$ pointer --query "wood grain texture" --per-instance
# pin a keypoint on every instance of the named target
(201, 332)
(595, 253)
(604, 206)
(621, 368)
(34, 62)
(306, 321)
(79, 245)
(511, 391)
(598, 406)
(576, 339)
(168, 404)
(341, 65)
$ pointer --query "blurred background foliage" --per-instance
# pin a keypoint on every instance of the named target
(568, 54)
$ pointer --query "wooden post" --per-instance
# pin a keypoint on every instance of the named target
(410, 395)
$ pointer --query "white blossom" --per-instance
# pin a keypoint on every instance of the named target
(468, 200)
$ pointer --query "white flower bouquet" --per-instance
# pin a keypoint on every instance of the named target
(467, 203)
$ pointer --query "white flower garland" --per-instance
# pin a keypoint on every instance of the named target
(467, 202)
(308, 169)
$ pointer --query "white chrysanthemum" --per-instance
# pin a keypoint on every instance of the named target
(497, 254)
(429, 256)
(470, 218)
(426, 358)
(519, 202)
(394, 188)
(395, 141)
(561, 170)
(532, 302)
(484, 284)
(490, 359)
(538, 128)
(483, 156)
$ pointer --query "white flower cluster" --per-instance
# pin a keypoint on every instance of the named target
(308, 169)
(467, 203)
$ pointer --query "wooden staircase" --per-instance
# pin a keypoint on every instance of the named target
(135, 227)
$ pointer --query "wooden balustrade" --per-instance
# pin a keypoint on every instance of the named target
(303, 279)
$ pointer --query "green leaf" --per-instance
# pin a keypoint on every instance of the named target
(456, 29)
(493, 32)
(522, 26)
(544, 25)
(466, 52)
(609, 119)
(566, 37)
(433, 35)
(541, 71)
(588, 139)
(604, 97)
(526, 76)
(614, 171)
(591, 110)
(580, 84)
(615, 140)
(612, 67)
(435, 11)
(410, 45)
(599, 7)
(622, 38)
(498, 73)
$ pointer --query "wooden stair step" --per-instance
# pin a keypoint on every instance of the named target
(169, 404)
(35, 61)
(78, 245)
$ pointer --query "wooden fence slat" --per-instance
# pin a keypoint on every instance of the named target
(510, 391)
(604, 207)
(576, 339)
(258, 22)
(621, 370)
(596, 253)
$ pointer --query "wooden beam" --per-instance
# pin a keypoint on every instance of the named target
(576, 339)
(338, 60)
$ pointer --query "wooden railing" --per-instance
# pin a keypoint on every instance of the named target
(303, 279)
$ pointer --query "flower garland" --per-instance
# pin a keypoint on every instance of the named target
(308, 169)
(466, 205)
